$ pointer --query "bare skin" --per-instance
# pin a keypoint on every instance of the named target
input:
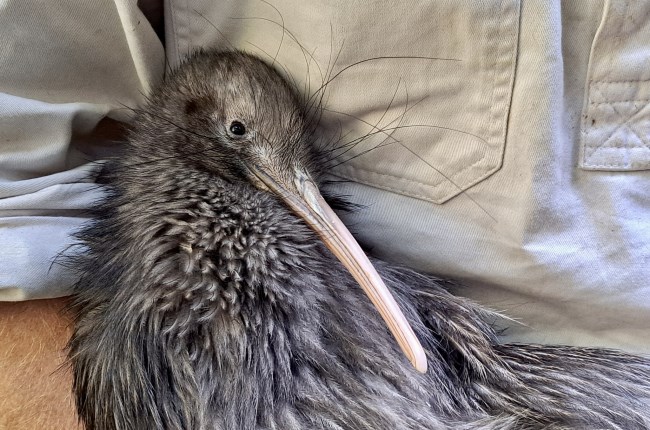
(34, 391)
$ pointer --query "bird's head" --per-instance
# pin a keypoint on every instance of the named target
(235, 116)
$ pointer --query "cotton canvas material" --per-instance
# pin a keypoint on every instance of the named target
(525, 171)
(64, 67)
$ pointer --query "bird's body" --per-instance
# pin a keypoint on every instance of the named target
(205, 302)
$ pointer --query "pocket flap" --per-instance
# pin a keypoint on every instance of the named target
(615, 132)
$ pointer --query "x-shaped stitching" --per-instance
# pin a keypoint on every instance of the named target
(621, 125)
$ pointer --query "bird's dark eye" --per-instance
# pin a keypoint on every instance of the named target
(237, 128)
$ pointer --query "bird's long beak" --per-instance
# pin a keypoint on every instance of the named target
(305, 200)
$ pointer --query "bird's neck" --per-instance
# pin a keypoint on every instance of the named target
(216, 246)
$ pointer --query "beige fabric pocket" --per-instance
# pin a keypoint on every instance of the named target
(437, 76)
(455, 137)
(615, 132)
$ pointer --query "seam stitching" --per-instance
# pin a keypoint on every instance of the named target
(619, 126)
(619, 102)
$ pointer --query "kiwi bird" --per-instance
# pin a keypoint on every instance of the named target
(218, 290)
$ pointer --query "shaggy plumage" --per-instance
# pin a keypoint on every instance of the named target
(205, 303)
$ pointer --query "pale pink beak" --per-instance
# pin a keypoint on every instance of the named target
(304, 198)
